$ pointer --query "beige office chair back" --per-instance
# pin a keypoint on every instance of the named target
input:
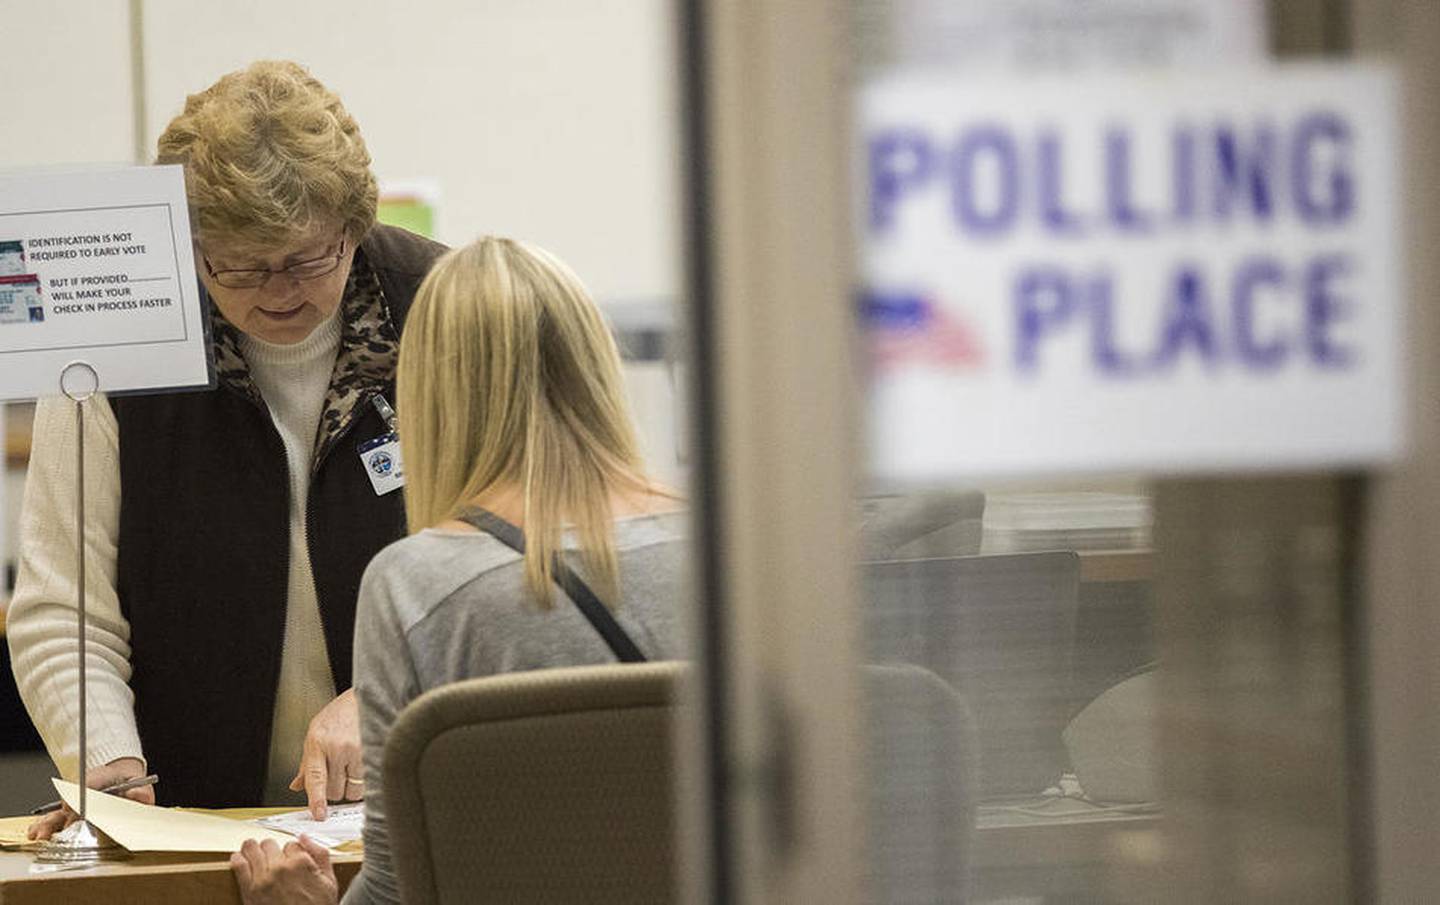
(547, 786)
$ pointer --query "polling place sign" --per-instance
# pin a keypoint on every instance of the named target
(1167, 271)
(97, 266)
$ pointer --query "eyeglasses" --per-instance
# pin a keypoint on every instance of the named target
(254, 279)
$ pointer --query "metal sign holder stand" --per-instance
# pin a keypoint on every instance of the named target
(80, 844)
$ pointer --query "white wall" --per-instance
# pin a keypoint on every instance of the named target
(66, 75)
(550, 120)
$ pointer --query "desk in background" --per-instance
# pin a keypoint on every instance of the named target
(1114, 566)
(1070, 852)
(1042, 832)
(1064, 851)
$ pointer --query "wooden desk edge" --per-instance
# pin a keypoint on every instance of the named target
(1047, 844)
(1098, 566)
(175, 878)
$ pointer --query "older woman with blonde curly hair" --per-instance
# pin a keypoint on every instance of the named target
(229, 528)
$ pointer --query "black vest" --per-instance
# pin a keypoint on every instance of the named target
(204, 559)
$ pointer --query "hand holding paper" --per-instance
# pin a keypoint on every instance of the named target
(97, 778)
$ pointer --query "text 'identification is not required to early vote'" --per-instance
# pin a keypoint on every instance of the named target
(97, 266)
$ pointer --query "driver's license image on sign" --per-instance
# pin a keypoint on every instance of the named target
(21, 301)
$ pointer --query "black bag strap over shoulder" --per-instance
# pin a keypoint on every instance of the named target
(599, 615)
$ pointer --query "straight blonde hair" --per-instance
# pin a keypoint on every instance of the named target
(509, 377)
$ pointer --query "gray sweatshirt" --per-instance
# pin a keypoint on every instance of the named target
(440, 606)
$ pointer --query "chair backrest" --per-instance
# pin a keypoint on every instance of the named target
(1001, 630)
(922, 754)
(545, 786)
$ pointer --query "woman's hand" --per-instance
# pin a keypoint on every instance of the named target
(332, 767)
(117, 771)
(299, 874)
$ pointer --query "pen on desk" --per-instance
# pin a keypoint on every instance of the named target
(125, 786)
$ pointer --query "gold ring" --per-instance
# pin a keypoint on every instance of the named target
(358, 782)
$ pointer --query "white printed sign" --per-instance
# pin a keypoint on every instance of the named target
(1170, 272)
(97, 266)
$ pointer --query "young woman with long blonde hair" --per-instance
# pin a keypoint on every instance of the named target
(515, 435)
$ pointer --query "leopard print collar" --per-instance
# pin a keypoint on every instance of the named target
(364, 365)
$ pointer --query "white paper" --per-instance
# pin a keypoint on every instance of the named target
(972, 188)
(343, 823)
(98, 266)
(147, 828)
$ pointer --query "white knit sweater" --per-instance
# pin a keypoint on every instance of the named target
(40, 623)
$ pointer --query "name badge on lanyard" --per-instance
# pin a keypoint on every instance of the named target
(381, 456)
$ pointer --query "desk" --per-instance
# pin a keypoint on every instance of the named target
(146, 879)
(1098, 566)
(1066, 855)
(1075, 833)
